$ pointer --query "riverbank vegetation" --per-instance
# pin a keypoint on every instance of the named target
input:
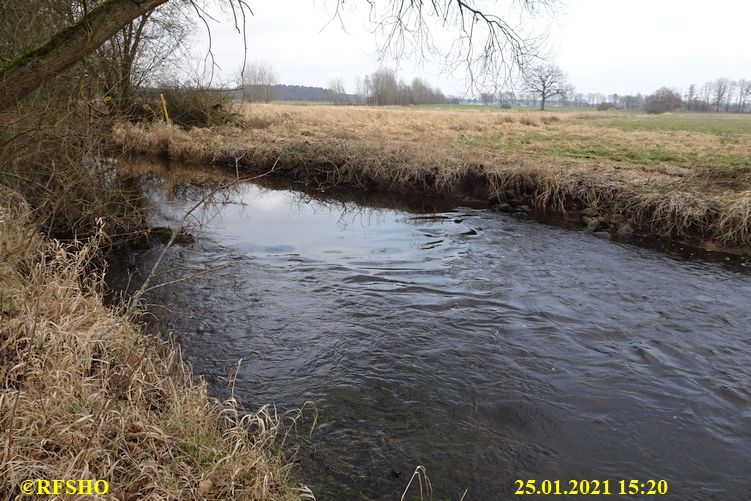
(85, 391)
(676, 175)
(86, 394)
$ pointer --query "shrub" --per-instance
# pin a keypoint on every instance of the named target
(663, 100)
(605, 106)
(655, 108)
(190, 106)
(56, 156)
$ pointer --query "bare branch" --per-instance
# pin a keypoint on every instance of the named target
(487, 45)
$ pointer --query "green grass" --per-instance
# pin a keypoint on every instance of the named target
(721, 124)
(724, 139)
(579, 146)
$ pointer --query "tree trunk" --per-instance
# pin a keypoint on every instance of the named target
(542, 102)
(67, 47)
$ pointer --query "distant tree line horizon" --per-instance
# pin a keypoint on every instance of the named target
(259, 83)
(720, 95)
(543, 84)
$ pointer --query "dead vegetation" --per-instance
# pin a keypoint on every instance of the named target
(668, 183)
(86, 394)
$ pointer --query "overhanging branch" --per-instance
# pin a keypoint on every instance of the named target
(65, 48)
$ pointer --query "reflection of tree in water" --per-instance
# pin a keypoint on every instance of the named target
(350, 212)
(185, 184)
(214, 193)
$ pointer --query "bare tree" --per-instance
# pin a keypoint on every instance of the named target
(487, 98)
(366, 90)
(633, 102)
(384, 89)
(706, 95)
(485, 41)
(720, 92)
(744, 91)
(691, 98)
(422, 93)
(506, 98)
(358, 91)
(732, 87)
(545, 81)
(138, 53)
(257, 81)
(337, 93)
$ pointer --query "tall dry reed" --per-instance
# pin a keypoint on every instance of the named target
(85, 393)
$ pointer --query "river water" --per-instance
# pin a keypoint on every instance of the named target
(484, 347)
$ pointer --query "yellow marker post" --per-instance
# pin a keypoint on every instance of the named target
(165, 114)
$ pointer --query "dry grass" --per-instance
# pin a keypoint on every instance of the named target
(84, 393)
(685, 183)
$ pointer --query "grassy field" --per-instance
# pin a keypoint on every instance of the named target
(722, 124)
(720, 144)
(702, 140)
(686, 176)
(715, 145)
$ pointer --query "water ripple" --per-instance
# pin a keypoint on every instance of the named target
(484, 347)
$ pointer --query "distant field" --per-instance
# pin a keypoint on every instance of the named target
(717, 142)
(496, 108)
(722, 124)
(713, 145)
(716, 123)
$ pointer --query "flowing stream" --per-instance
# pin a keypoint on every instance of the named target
(484, 347)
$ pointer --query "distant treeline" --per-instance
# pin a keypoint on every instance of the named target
(281, 92)
(384, 87)
(258, 82)
(721, 95)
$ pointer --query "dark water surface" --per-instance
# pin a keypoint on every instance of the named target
(484, 347)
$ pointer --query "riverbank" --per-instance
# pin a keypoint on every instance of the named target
(87, 394)
(684, 178)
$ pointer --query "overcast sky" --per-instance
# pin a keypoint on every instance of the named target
(607, 46)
